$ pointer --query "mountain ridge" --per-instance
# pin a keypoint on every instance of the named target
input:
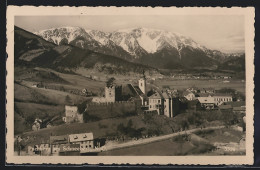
(138, 44)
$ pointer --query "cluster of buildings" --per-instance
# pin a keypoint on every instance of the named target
(73, 144)
(163, 102)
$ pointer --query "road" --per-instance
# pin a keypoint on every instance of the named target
(155, 139)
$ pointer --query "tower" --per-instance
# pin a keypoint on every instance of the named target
(110, 94)
(142, 83)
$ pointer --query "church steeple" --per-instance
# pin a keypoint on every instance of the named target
(142, 83)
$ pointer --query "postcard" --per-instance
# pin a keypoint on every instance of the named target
(130, 85)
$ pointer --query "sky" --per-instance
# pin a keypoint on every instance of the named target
(218, 32)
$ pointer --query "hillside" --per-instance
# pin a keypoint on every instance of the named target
(33, 50)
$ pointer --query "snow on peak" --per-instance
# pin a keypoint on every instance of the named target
(132, 40)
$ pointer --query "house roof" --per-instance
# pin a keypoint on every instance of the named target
(206, 100)
(215, 95)
(156, 95)
(59, 139)
(139, 92)
(81, 137)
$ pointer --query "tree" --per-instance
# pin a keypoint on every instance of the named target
(68, 100)
(110, 82)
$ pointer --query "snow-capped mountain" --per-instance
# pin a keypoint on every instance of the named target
(143, 45)
(135, 41)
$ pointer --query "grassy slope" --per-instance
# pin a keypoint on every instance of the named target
(110, 127)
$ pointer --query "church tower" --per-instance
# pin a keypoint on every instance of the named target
(142, 83)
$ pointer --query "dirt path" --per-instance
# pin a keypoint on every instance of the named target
(155, 139)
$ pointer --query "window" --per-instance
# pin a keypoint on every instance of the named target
(158, 101)
(150, 106)
(141, 84)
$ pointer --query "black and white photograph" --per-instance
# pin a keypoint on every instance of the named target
(131, 82)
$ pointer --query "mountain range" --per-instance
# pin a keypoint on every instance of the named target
(32, 50)
(157, 48)
(135, 47)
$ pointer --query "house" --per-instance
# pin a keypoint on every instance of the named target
(72, 115)
(155, 102)
(218, 98)
(189, 95)
(164, 103)
(207, 102)
(36, 124)
(85, 140)
(238, 106)
(36, 85)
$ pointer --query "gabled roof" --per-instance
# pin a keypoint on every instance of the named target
(139, 91)
(59, 139)
(81, 137)
(156, 95)
(206, 100)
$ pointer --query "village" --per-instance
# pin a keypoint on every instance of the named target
(128, 98)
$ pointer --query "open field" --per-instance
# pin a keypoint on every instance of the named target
(222, 135)
(217, 84)
(162, 148)
(77, 81)
(172, 147)
(40, 110)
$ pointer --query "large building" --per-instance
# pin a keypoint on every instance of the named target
(211, 101)
(164, 103)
